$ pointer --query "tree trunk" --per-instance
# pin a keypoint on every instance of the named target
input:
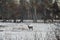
(14, 20)
(34, 16)
(28, 13)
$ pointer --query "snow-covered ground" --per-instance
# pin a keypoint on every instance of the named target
(31, 21)
(21, 31)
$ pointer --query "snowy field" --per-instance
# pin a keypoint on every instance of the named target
(21, 31)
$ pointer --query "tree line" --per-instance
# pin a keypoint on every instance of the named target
(35, 9)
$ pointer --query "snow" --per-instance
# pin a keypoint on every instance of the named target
(20, 31)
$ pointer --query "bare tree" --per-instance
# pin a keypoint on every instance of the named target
(34, 5)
